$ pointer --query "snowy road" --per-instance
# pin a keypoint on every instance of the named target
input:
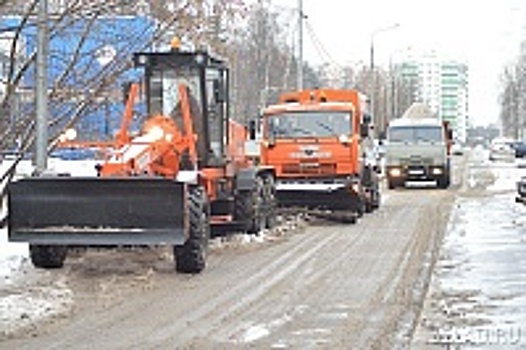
(311, 286)
(478, 295)
(318, 286)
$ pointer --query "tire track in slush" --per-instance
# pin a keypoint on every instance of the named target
(188, 325)
(252, 289)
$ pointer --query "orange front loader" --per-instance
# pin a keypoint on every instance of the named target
(181, 178)
(318, 142)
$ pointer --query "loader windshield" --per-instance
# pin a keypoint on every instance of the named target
(164, 97)
(309, 124)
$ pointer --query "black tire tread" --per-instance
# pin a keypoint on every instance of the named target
(191, 256)
(48, 256)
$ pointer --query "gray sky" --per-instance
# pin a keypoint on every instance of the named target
(484, 34)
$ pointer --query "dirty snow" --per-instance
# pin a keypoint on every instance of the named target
(478, 294)
(44, 297)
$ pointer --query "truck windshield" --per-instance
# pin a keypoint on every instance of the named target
(415, 134)
(310, 124)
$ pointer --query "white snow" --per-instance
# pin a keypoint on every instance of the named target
(12, 255)
(21, 307)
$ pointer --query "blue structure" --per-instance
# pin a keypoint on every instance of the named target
(81, 53)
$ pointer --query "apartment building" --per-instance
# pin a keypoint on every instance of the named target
(442, 84)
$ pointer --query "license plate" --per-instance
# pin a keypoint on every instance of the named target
(416, 172)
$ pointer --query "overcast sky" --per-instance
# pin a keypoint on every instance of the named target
(484, 34)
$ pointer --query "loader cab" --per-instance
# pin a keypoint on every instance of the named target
(206, 79)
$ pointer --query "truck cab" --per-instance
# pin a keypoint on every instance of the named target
(318, 143)
(417, 149)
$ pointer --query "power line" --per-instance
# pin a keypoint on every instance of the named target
(322, 51)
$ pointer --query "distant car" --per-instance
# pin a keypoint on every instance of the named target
(457, 149)
(74, 153)
(521, 191)
(502, 149)
(520, 149)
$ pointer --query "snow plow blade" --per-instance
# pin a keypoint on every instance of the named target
(97, 211)
(317, 197)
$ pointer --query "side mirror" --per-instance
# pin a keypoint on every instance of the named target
(219, 91)
(252, 129)
(364, 130)
(125, 88)
(271, 141)
(450, 134)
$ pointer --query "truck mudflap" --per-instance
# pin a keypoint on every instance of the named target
(97, 211)
(318, 196)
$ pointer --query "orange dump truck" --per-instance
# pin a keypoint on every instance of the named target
(319, 143)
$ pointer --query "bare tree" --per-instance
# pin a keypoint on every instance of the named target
(513, 97)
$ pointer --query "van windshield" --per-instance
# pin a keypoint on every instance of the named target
(309, 124)
(415, 134)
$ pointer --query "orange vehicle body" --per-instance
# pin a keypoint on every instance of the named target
(317, 140)
(181, 179)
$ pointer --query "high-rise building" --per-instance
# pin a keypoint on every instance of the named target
(442, 84)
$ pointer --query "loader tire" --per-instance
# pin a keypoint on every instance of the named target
(269, 191)
(48, 256)
(191, 256)
(248, 207)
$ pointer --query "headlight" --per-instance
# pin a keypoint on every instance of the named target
(156, 133)
(395, 172)
(344, 139)
(200, 59)
(142, 59)
(70, 134)
(436, 171)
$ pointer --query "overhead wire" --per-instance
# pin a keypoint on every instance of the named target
(320, 48)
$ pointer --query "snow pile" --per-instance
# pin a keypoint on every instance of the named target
(22, 309)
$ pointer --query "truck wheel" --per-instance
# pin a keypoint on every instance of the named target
(191, 256)
(369, 207)
(392, 184)
(269, 191)
(377, 199)
(249, 205)
(361, 207)
(48, 256)
(443, 182)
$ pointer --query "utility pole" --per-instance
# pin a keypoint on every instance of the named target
(41, 142)
(378, 121)
(300, 45)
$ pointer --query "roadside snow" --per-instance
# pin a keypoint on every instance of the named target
(28, 295)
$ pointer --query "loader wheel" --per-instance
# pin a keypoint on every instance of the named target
(48, 256)
(249, 205)
(191, 256)
(269, 191)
